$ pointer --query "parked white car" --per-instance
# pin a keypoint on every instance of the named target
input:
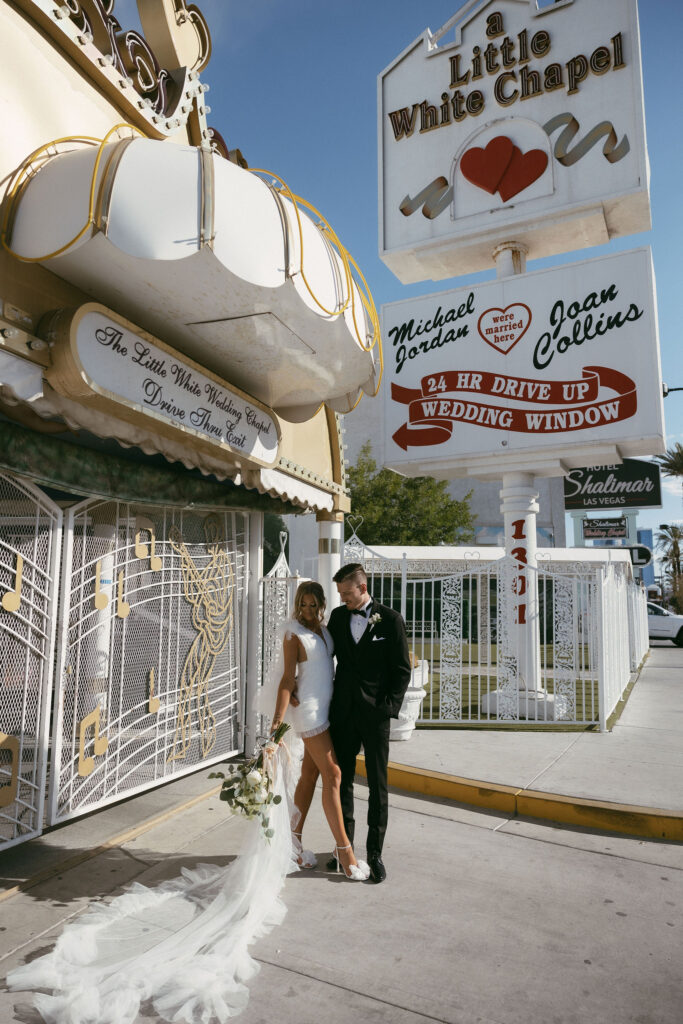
(664, 625)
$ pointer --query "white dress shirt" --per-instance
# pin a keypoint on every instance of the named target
(359, 623)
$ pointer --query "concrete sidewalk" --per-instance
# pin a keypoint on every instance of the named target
(639, 765)
(629, 780)
(482, 920)
(639, 762)
(486, 917)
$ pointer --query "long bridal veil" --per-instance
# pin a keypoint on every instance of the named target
(182, 944)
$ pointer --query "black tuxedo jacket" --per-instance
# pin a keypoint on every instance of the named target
(372, 675)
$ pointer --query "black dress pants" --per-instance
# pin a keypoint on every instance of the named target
(349, 734)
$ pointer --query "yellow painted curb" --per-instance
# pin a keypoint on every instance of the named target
(450, 787)
(125, 837)
(627, 819)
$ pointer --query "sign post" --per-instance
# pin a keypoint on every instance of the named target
(491, 152)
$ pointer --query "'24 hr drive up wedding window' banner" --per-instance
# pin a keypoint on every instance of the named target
(560, 364)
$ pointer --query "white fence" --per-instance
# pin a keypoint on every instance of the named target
(591, 627)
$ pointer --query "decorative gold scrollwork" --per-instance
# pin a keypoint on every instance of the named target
(100, 742)
(129, 51)
(12, 599)
(8, 793)
(210, 591)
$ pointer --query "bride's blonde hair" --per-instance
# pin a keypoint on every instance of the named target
(316, 592)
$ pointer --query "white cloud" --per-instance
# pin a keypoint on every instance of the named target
(672, 485)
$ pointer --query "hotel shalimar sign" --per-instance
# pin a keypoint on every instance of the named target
(516, 120)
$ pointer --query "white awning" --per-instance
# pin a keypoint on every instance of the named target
(209, 258)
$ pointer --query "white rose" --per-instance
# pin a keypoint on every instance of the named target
(254, 777)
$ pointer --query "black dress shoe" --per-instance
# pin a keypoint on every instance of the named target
(377, 870)
(332, 864)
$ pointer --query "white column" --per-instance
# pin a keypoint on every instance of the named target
(519, 508)
(254, 573)
(631, 526)
(96, 652)
(330, 545)
(577, 521)
(510, 259)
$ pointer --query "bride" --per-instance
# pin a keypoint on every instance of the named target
(183, 944)
(304, 694)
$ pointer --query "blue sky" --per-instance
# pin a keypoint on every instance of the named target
(294, 86)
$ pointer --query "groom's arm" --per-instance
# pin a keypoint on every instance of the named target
(400, 670)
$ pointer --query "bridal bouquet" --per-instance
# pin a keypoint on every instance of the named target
(248, 790)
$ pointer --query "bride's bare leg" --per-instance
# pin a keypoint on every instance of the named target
(303, 794)
(323, 756)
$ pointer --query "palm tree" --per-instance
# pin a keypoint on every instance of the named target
(669, 539)
(672, 460)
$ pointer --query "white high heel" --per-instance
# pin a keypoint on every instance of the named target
(358, 872)
(304, 858)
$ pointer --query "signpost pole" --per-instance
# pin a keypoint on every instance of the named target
(519, 508)
(330, 547)
(577, 522)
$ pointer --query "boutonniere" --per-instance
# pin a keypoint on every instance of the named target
(374, 619)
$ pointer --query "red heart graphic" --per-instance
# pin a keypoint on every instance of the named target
(502, 328)
(485, 167)
(522, 171)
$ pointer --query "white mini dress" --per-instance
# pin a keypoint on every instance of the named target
(314, 677)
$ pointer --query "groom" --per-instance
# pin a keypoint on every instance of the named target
(372, 676)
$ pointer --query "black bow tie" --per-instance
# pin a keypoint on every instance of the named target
(358, 611)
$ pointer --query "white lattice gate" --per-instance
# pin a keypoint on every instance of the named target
(150, 649)
(30, 528)
(473, 647)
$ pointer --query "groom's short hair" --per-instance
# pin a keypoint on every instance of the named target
(351, 573)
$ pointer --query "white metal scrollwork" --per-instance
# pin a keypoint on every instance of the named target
(150, 649)
(30, 528)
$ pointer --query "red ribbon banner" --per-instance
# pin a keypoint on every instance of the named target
(433, 409)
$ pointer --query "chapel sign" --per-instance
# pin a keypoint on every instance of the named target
(512, 121)
(605, 529)
(100, 356)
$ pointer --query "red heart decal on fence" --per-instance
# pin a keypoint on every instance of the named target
(523, 170)
(502, 328)
(485, 167)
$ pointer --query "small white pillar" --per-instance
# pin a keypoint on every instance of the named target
(631, 517)
(510, 259)
(577, 520)
(330, 546)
